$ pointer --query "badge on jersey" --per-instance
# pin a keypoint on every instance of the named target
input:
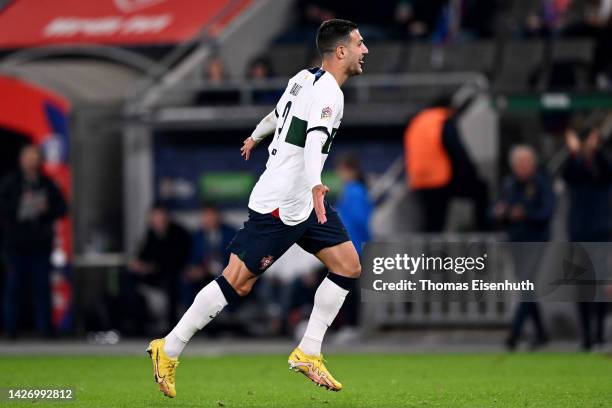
(326, 112)
(265, 262)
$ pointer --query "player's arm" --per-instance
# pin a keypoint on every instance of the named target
(265, 128)
(322, 113)
(315, 139)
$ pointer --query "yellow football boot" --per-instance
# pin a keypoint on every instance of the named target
(164, 368)
(313, 368)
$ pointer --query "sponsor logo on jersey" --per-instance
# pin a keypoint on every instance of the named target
(326, 112)
(266, 261)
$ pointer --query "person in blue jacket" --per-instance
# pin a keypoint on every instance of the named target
(354, 205)
(209, 252)
(525, 208)
(526, 202)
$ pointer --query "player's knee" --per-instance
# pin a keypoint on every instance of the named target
(239, 277)
(240, 286)
(243, 289)
(351, 269)
(355, 270)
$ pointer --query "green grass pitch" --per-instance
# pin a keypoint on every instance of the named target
(398, 380)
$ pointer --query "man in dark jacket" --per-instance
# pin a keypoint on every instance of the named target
(525, 207)
(588, 174)
(526, 202)
(163, 255)
(30, 203)
(209, 252)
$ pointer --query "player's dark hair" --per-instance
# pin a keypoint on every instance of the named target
(331, 32)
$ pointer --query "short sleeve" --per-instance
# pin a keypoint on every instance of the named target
(324, 111)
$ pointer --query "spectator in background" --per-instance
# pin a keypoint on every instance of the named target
(30, 204)
(355, 210)
(525, 209)
(354, 205)
(311, 13)
(215, 71)
(161, 259)
(526, 202)
(418, 18)
(216, 91)
(439, 168)
(209, 253)
(550, 17)
(569, 18)
(598, 24)
(260, 69)
(588, 174)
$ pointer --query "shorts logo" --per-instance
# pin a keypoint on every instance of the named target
(326, 112)
(266, 261)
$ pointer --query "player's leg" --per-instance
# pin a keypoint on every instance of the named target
(344, 268)
(331, 244)
(235, 282)
(255, 247)
(261, 241)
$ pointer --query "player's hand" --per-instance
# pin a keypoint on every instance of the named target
(318, 199)
(248, 145)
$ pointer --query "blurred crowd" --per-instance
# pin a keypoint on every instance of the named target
(439, 169)
(445, 23)
(161, 280)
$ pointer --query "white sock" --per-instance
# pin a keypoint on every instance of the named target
(327, 303)
(206, 306)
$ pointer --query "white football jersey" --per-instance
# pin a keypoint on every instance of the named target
(312, 101)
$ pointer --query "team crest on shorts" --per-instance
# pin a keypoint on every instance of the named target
(266, 261)
(326, 112)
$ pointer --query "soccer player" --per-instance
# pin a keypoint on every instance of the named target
(286, 207)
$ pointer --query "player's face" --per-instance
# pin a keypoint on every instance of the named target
(356, 53)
